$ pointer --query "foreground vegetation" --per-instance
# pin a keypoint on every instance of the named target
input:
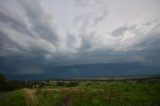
(127, 92)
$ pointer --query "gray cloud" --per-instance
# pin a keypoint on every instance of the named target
(27, 29)
(39, 20)
(94, 12)
(120, 31)
(29, 40)
(30, 70)
(13, 22)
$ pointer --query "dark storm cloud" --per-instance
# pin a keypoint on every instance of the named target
(150, 47)
(30, 43)
(26, 36)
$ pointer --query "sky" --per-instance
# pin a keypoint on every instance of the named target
(76, 38)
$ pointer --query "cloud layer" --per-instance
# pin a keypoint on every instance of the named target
(31, 42)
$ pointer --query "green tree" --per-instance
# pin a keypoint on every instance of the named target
(2, 79)
(2, 82)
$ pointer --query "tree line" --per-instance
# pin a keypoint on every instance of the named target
(9, 85)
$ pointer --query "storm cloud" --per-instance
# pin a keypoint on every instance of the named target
(34, 40)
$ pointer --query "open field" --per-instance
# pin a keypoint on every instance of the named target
(131, 92)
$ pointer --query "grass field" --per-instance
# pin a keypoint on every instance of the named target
(88, 93)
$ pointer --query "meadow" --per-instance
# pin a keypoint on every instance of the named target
(119, 92)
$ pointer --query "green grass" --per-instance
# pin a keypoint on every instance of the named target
(88, 93)
(14, 98)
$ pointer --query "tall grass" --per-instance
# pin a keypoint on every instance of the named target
(30, 98)
(103, 94)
